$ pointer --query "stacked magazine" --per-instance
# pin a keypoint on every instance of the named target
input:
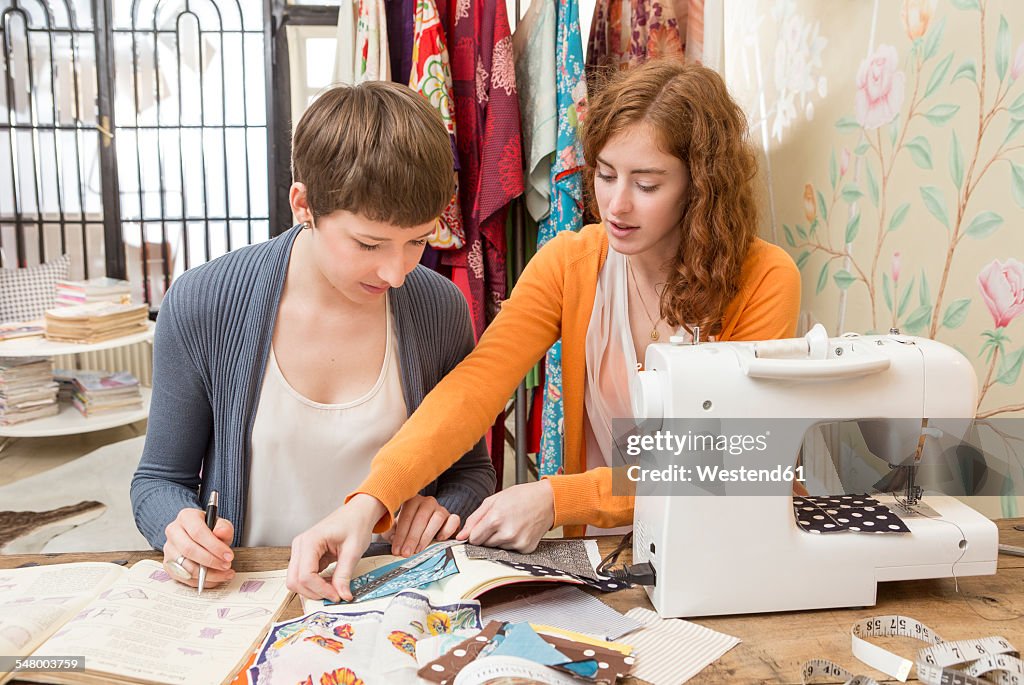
(95, 322)
(93, 290)
(27, 389)
(99, 392)
(11, 330)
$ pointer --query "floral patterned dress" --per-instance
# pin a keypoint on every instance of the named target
(566, 205)
(490, 154)
(628, 32)
(430, 75)
(372, 60)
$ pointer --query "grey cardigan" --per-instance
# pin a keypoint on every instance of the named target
(212, 340)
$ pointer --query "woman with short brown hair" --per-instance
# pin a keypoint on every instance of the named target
(282, 367)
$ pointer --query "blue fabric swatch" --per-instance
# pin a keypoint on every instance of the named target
(521, 641)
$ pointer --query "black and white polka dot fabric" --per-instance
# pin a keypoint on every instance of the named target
(846, 513)
(602, 584)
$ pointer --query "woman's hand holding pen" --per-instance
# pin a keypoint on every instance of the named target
(191, 544)
(515, 518)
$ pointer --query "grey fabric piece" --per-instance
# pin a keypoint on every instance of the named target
(213, 337)
(567, 556)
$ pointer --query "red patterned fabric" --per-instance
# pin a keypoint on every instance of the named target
(489, 149)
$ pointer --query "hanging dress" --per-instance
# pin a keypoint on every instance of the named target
(566, 206)
(430, 75)
(489, 146)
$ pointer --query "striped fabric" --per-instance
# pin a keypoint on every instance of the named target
(669, 652)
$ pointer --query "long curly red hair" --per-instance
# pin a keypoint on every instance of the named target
(695, 119)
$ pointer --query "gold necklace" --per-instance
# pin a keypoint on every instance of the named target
(654, 324)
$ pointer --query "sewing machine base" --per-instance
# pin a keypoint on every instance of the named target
(771, 567)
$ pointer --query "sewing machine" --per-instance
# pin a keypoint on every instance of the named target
(731, 554)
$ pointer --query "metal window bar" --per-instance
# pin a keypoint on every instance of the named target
(50, 142)
(192, 146)
(67, 85)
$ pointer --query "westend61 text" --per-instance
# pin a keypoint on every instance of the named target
(714, 474)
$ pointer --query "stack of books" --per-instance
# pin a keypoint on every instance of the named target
(93, 290)
(27, 389)
(100, 392)
(10, 330)
(95, 322)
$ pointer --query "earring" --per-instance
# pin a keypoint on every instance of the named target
(305, 225)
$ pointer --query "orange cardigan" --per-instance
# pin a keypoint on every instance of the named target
(554, 298)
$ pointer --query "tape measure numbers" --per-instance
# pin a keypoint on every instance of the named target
(991, 657)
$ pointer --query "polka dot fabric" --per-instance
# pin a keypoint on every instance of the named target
(604, 665)
(846, 513)
(602, 584)
(444, 669)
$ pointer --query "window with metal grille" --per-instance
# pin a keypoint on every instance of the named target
(50, 136)
(137, 132)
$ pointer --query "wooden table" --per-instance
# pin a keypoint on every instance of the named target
(774, 645)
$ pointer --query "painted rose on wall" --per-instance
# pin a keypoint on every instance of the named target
(880, 86)
(1002, 289)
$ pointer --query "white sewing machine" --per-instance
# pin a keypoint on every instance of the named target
(716, 554)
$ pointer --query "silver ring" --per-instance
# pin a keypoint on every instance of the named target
(177, 568)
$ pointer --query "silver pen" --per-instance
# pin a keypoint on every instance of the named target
(211, 521)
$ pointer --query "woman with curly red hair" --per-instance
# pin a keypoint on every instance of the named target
(672, 178)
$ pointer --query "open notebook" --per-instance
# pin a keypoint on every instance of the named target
(134, 624)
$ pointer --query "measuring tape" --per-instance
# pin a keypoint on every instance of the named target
(409, 564)
(993, 657)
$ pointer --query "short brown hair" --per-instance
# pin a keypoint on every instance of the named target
(377, 149)
(694, 118)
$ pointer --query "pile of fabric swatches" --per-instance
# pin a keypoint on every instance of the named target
(563, 636)
(639, 643)
(520, 650)
(565, 608)
(362, 647)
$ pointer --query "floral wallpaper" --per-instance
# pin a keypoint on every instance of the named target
(893, 164)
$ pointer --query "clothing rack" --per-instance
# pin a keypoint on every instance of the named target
(519, 263)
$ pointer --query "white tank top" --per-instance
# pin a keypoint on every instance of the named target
(306, 457)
